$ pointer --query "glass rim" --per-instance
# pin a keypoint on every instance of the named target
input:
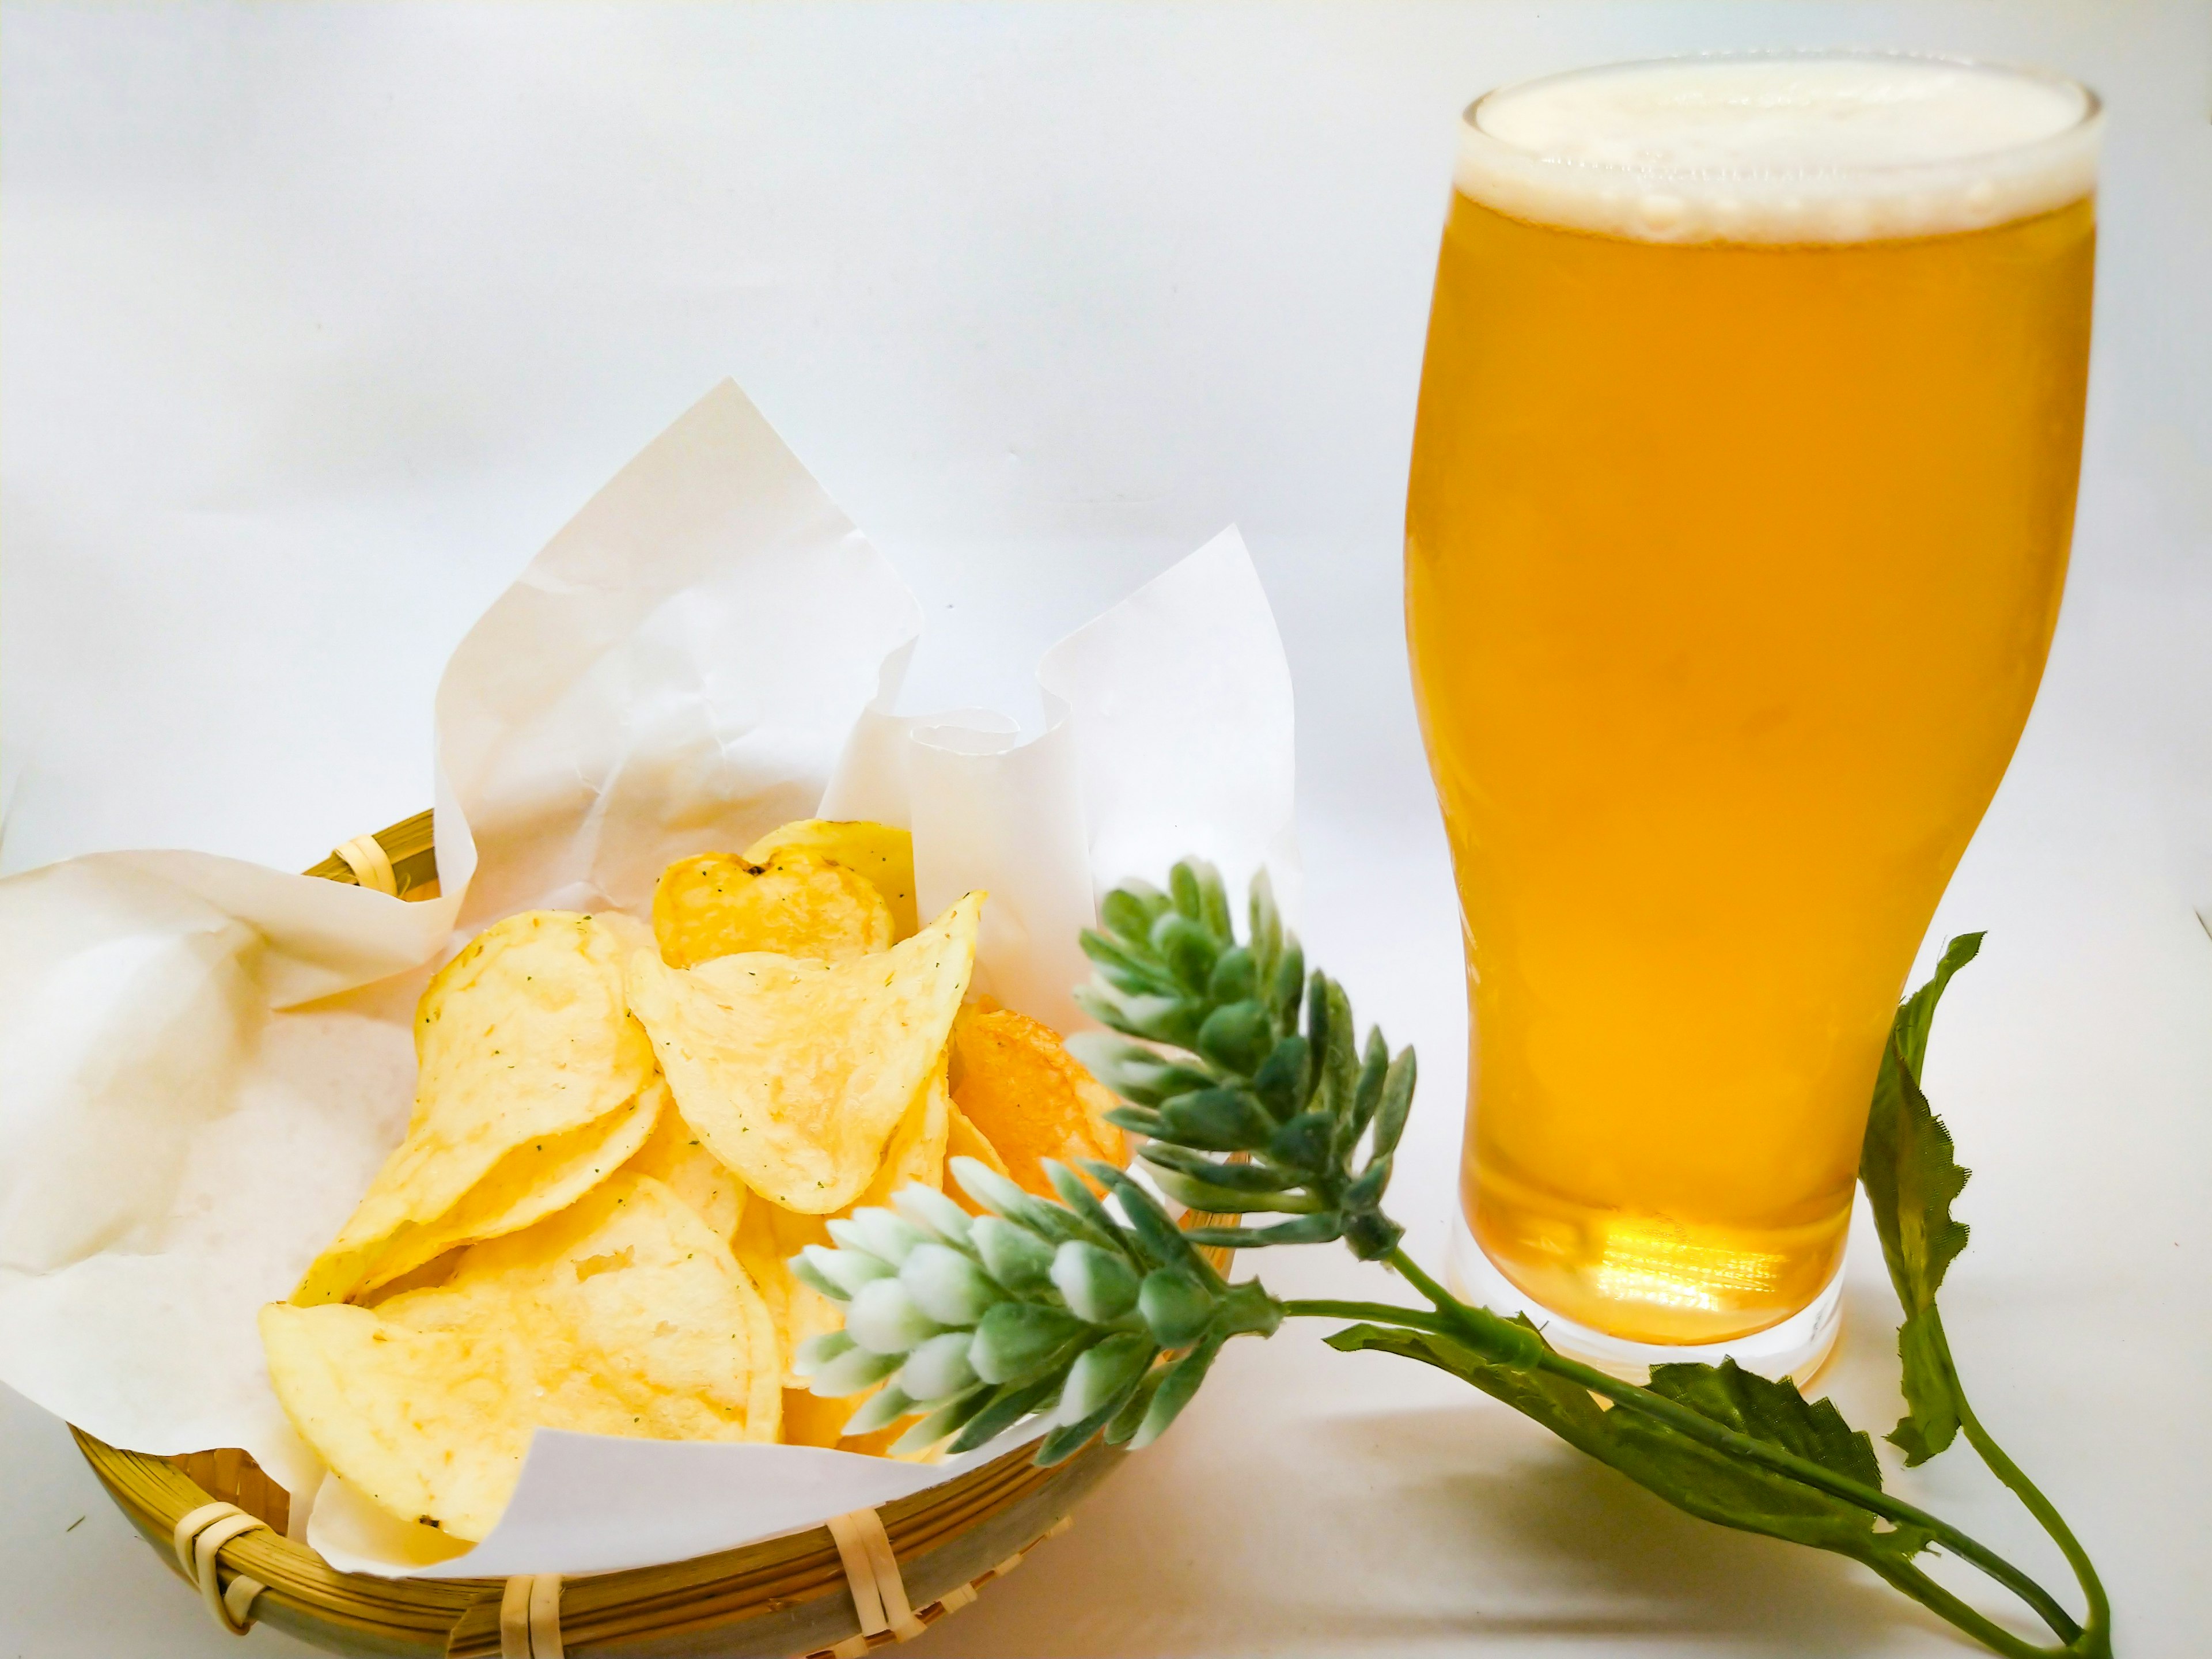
(2092, 114)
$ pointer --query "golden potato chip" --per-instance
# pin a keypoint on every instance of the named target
(809, 1420)
(916, 1151)
(796, 903)
(769, 1235)
(876, 851)
(621, 1315)
(674, 1156)
(795, 1073)
(964, 1140)
(1017, 1085)
(530, 1182)
(523, 1035)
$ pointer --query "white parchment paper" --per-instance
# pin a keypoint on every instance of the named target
(203, 1061)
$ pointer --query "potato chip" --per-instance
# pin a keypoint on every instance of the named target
(529, 1183)
(795, 1074)
(1017, 1085)
(797, 903)
(674, 1156)
(769, 1235)
(964, 1140)
(523, 1035)
(917, 1148)
(876, 851)
(811, 1420)
(622, 1314)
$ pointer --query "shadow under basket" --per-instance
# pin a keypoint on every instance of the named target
(812, 1593)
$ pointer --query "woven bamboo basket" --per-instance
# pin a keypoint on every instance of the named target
(787, 1596)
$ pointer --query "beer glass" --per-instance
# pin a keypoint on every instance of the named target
(1741, 496)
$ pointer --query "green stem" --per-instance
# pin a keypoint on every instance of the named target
(1905, 1576)
(1379, 1313)
(1704, 1430)
(2099, 1611)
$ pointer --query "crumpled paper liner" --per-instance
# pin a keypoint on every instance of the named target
(203, 1061)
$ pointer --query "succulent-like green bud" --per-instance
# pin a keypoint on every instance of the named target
(946, 1285)
(939, 1368)
(839, 1274)
(879, 1411)
(1018, 1338)
(883, 1319)
(950, 1417)
(1175, 1391)
(1016, 1258)
(853, 1371)
(818, 1351)
(1097, 1285)
(1174, 1306)
(878, 1233)
(933, 1213)
(1101, 1374)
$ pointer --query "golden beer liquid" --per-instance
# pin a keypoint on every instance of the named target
(1731, 574)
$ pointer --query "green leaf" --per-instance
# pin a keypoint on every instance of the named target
(1130, 910)
(1930, 1422)
(1306, 1230)
(1236, 1036)
(1339, 1057)
(1290, 983)
(1213, 902)
(1156, 1232)
(1171, 1020)
(1773, 1412)
(1174, 1306)
(1237, 1177)
(1016, 1340)
(1281, 1081)
(1397, 1101)
(1911, 1179)
(1265, 928)
(1732, 1492)
(1187, 949)
(1917, 1016)
(1305, 1142)
(1374, 1070)
(1082, 1202)
(1006, 1407)
(1173, 1390)
(1216, 1120)
(1125, 968)
(1127, 1421)
(1236, 978)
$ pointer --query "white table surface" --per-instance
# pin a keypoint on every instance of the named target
(316, 321)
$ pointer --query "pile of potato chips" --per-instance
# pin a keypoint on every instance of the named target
(618, 1141)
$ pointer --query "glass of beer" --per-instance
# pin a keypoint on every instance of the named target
(1741, 491)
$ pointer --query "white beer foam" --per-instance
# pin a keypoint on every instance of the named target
(1819, 148)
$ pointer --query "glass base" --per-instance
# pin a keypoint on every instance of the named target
(1796, 1348)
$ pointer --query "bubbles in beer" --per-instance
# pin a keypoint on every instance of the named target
(1781, 149)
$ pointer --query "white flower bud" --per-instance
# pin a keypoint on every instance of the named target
(883, 1319)
(1099, 1285)
(946, 1285)
(818, 1351)
(853, 1371)
(932, 1212)
(939, 1367)
(847, 1270)
(878, 1411)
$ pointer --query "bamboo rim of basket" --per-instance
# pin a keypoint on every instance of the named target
(460, 1616)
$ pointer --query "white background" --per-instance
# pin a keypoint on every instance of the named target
(315, 322)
